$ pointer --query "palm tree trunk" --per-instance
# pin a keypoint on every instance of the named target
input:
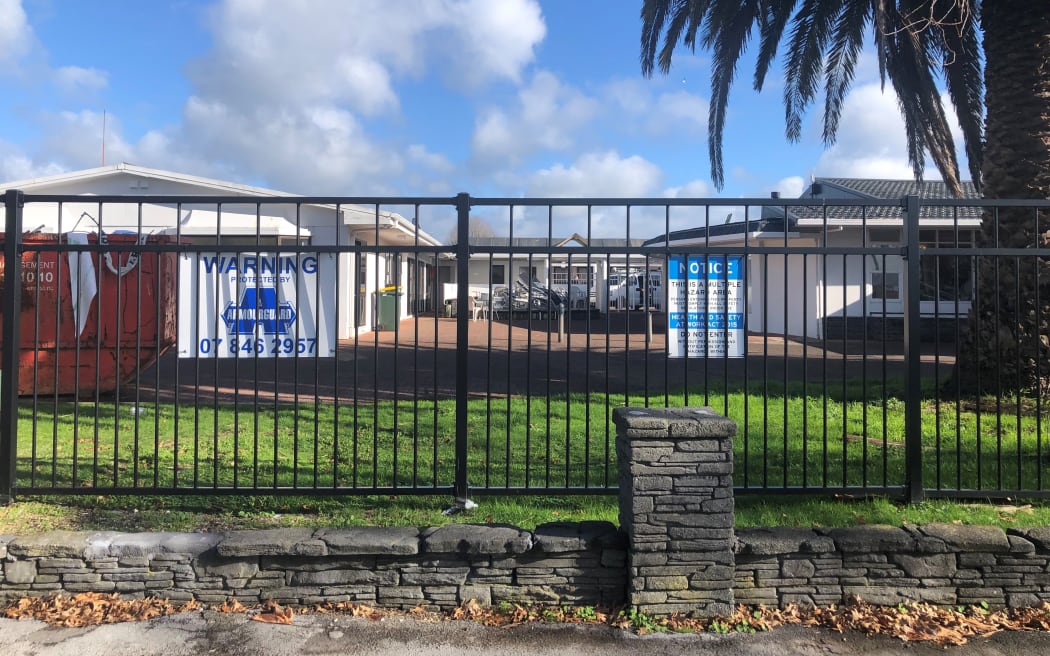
(1007, 347)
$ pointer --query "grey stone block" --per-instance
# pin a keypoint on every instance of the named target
(185, 545)
(559, 537)
(797, 568)
(433, 578)
(930, 566)
(67, 564)
(20, 571)
(344, 577)
(1040, 536)
(237, 568)
(364, 540)
(272, 542)
(873, 539)
(785, 540)
(62, 544)
(476, 540)
(989, 539)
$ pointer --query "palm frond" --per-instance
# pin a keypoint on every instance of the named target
(730, 23)
(809, 37)
(772, 22)
(841, 61)
(677, 20)
(910, 57)
(964, 77)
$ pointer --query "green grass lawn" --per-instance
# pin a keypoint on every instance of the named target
(851, 437)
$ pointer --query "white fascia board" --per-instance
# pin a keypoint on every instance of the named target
(962, 222)
(732, 240)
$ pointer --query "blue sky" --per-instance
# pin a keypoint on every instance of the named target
(413, 97)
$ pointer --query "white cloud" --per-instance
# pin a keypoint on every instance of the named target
(349, 53)
(310, 150)
(15, 166)
(694, 189)
(418, 154)
(502, 36)
(790, 187)
(680, 109)
(872, 142)
(668, 113)
(598, 175)
(75, 138)
(546, 116)
(287, 89)
(72, 79)
(16, 36)
(593, 175)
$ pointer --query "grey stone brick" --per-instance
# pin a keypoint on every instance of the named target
(961, 537)
(362, 540)
(272, 542)
(474, 540)
(20, 572)
(931, 566)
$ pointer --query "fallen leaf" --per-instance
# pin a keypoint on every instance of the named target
(273, 613)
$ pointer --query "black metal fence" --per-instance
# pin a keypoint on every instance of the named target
(332, 346)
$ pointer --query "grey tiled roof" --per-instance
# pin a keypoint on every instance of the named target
(893, 189)
(827, 189)
(735, 228)
(543, 242)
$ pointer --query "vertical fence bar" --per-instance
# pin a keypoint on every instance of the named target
(462, 342)
(12, 302)
(913, 487)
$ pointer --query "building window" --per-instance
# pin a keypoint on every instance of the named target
(945, 277)
(498, 275)
(884, 235)
(885, 286)
(559, 276)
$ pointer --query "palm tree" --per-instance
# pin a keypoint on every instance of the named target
(918, 44)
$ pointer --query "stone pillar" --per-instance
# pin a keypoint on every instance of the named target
(676, 507)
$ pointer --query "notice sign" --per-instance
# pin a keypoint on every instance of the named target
(257, 305)
(705, 306)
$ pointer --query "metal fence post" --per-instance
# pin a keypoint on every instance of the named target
(11, 307)
(462, 343)
(914, 488)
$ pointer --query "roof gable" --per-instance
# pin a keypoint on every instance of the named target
(133, 171)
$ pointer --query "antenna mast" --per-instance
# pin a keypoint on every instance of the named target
(103, 137)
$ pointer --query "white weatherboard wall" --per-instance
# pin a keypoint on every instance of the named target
(848, 293)
(784, 294)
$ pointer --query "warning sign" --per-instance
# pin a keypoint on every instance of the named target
(705, 306)
(257, 305)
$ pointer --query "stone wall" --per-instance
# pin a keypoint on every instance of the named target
(943, 564)
(439, 568)
(677, 553)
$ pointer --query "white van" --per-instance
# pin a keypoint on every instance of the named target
(628, 290)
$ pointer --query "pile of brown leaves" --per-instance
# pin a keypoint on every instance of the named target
(90, 608)
(908, 622)
(914, 622)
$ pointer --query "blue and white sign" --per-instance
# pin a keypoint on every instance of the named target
(705, 306)
(257, 305)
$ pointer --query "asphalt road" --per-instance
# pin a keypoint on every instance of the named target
(219, 634)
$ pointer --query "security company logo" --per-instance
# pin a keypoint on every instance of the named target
(258, 307)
